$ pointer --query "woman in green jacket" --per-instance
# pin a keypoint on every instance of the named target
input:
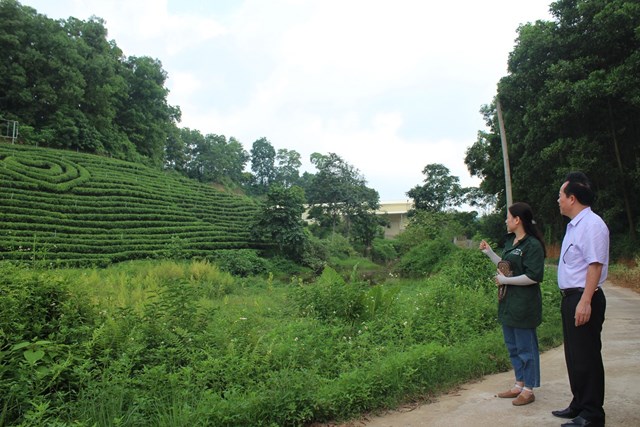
(520, 303)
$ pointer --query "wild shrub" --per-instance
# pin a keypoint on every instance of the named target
(339, 246)
(241, 262)
(427, 226)
(384, 251)
(358, 268)
(451, 314)
(469, 268)
(40, 320)
(161, 271)
(626, 273)
(331, 297)
(176, 248)
(424, 259)
(434, 310)
(315, 254)
(284, 268)
(549, 332)
(156, 343)
(211, 281)
(379, 300)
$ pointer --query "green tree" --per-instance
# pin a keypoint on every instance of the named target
(571, 101)
(338, 196)
(263, 157)
(364, 224)
(440, 190)
(198, 153)
(176, 154)
(281, 222)
(41, 84)
(287, 167)
(144, 114)
(103, 88)
(305, 181)
(235, 160)
(213, 158)
(484, 159)
(69, 87)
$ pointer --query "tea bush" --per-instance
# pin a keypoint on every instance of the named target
(61, 208)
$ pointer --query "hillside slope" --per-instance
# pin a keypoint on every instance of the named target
(71, 209)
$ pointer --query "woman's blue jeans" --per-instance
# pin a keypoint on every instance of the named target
(522, 345)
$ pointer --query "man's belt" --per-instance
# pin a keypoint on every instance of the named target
(571, 291)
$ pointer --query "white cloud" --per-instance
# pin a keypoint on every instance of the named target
(146, 26)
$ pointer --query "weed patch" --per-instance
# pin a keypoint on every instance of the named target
(186, 344)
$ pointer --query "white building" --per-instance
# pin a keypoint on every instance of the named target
(396, 213)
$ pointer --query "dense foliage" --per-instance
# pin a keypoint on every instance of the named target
(441, 191)
(166, 343)
(65, 208)
(69, 87)
(340, 201)
(571, 101)
(209, 158)
(188, 344)
(280, 221)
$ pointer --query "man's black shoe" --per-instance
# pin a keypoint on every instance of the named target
(566, 413)
(582, 422)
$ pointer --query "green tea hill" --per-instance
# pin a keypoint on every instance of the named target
(75, 209)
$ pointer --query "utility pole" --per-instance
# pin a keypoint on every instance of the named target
(505, 155)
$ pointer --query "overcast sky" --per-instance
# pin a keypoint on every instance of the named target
(390, 86)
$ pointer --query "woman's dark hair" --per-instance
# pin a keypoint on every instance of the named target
(524, 212)
(578, 185)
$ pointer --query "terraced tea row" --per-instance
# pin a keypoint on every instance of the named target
(76, 209)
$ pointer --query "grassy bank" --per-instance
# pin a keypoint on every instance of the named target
(166, 343)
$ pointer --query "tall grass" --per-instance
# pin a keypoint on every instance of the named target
(626, 273)
(167, 343)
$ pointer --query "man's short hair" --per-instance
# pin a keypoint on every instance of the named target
(578, 185)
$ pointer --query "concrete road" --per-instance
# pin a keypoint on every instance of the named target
(476, 404)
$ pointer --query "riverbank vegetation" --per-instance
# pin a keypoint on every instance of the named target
(184, 343)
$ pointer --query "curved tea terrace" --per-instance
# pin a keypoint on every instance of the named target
(71, 208)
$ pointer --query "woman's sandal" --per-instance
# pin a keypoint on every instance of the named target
(524, 398)
(512, 392)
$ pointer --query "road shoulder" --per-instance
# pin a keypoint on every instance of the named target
(476, 403)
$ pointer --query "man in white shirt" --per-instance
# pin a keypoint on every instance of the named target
(582, 268)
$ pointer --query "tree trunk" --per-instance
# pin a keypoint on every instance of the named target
(625, 195)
